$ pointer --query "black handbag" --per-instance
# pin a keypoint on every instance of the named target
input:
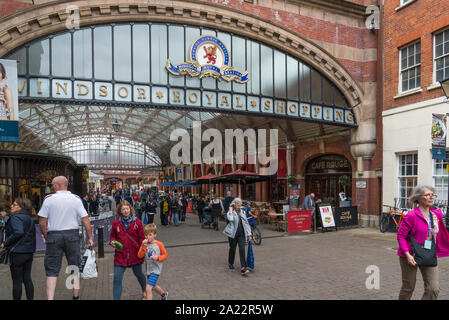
(5, 257)
(424, 257)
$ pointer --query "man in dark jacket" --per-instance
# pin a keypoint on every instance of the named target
(184, 207)
(227, 201)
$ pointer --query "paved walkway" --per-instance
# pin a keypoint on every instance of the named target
(329, 265)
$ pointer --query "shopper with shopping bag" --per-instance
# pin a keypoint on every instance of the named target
(88, 266)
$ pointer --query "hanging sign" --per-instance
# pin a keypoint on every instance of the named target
(9, 102)
(438, 132)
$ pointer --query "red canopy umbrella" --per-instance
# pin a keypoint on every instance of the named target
(204, 179)
(240, 176)
(207, 179)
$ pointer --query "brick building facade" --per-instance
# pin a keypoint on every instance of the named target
(331, 36)
(416, 29)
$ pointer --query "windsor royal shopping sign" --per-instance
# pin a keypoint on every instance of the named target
(209, 57)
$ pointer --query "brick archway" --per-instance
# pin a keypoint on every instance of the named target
(49, 17)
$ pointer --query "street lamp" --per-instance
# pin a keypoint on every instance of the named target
(445, 85)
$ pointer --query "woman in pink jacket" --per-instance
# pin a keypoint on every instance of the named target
(417, 224)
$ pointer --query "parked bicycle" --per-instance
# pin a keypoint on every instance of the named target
(257, 235)
(442, 205)
(394, 214)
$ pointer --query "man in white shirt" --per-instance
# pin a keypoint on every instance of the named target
(59, 223)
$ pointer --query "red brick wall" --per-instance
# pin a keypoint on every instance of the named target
(11, 6)
(310, 28)
(321, 30)
(413, 22)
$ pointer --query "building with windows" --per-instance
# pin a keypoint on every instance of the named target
(110, 69)
(416, 58)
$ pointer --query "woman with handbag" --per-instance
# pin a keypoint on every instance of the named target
(128, 231)
(422, 238)
(20, 240)
(238, 231)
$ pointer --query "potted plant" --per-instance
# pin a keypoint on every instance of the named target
(344, 181)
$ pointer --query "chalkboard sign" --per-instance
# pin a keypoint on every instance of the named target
(346, 216)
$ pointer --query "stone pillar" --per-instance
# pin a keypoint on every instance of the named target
(363, 147)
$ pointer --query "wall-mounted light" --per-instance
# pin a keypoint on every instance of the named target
(445, 86)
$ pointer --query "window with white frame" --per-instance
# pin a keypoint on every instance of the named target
(441, 55)
(404, 2)
(407, 176)
(440, 178)
(410, 67)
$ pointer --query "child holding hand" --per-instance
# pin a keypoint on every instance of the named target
(154, 253)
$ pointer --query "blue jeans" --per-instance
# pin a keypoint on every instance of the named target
(175, 217)
(119, 271)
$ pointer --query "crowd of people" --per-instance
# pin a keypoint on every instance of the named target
(133, 236)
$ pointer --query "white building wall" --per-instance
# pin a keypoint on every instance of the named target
(407, 130)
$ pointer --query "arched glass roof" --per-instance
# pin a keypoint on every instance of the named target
(130, 54)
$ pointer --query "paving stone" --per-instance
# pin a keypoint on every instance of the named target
(323, 266)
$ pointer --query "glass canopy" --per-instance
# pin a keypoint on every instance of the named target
(117, 134)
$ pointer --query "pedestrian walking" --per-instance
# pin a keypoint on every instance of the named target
(227, 201)
(183, 207)
(154, 253)
(173, 208)
(20, 238)
(164, 211)
(138, 208)
(200, 206)
(150, 210)
(238, 231)
(59, 223)
(425, 226)
(93, 205)
(217, 209)
(128, 231)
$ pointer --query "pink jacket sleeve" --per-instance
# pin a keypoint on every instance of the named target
(406, 225)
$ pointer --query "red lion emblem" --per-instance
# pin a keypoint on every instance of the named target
(211, 54)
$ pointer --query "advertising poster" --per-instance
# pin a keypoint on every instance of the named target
(299, 220)
(327, 216)
(9, 102)
(438, 132)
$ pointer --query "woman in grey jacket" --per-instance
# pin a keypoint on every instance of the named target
(238, 231)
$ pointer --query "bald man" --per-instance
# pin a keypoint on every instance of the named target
(59, 223)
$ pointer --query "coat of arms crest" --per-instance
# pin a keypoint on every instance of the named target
(209, 57)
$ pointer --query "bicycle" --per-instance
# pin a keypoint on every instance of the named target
(257, 235)
(394, 213)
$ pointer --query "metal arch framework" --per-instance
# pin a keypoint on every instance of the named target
(55, 127)
(54, 123)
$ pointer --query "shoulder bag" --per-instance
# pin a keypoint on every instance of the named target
(424, 257)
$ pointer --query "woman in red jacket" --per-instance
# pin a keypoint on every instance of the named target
(128, 231)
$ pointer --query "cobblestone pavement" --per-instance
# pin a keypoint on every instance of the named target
(330, 265)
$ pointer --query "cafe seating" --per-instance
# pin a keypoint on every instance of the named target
(282, 225)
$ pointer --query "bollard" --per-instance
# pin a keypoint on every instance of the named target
(100, 241)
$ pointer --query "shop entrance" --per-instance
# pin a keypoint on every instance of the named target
(327, 176)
